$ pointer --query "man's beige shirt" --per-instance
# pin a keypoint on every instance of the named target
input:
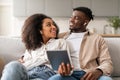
(93, 53)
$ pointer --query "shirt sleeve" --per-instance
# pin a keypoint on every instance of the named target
(104, 59)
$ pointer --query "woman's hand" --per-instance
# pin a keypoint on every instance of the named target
(65, 70)
(21, 60)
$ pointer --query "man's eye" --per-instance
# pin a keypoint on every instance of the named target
(71, 16)
(77, 18)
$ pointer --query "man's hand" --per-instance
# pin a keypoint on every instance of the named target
(65, 70)
(93, 75)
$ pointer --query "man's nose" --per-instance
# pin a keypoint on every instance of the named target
(72, 19)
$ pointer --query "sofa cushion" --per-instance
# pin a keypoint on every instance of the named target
(11, 48)
(114, 48)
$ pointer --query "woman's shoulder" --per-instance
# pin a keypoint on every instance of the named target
(61, 40)
(57, 41)
(62, 35)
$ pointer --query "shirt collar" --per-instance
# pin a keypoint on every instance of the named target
(50, 40)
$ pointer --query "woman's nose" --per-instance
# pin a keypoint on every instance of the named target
(53, 26)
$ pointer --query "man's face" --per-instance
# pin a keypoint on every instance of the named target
(77, 21)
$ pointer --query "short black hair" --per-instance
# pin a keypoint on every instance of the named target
(85, 10)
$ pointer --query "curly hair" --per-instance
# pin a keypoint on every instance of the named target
(31, 35)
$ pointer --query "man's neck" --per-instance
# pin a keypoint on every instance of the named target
(78, 31)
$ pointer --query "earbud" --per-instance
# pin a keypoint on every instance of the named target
(41, 32)
(85, 23)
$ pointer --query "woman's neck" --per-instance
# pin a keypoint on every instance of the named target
(45, 40)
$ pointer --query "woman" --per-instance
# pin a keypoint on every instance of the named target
(39, 34)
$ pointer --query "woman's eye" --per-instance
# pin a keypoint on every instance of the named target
(48, 25)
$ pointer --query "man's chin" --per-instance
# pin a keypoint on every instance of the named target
(71, 28)
(75, 29)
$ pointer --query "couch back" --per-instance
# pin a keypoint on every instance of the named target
(114, 49)
(13, 48)
(10, 49)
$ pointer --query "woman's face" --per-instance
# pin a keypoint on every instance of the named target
(48, 29)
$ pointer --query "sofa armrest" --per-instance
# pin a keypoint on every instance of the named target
(1, 66)
(114, 49)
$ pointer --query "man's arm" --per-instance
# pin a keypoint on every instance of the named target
(93, 75)
(104, 59)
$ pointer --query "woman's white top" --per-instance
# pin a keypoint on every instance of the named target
(39, 57)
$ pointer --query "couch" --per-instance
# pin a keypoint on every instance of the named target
(11, 48)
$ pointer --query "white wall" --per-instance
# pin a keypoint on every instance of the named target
(11, 26)
(97, 24)
(5, 20)
(63, 23)
(14, 28)
(6, 27)
(5, 2)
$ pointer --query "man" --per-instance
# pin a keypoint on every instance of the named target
(89, 52)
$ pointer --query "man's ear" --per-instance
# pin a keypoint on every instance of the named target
(86, 22)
